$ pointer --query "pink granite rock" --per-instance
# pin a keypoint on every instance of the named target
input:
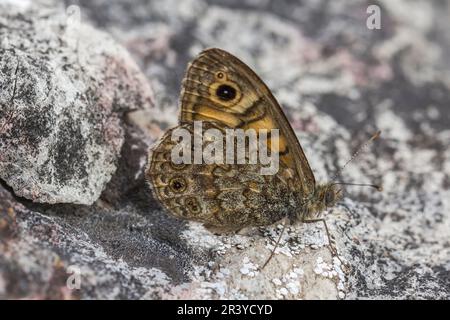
(65, 88)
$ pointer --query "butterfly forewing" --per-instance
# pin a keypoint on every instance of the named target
(219, 87)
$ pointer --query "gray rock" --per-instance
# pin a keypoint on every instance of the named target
(64, 89)
(42, 256)
(338, 82)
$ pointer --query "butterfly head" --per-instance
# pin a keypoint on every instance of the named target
(327, 195)
(332, 195)
(324, 196)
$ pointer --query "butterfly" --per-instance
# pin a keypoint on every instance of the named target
(224, 93)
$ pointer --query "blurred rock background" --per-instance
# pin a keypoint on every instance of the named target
(87, 86)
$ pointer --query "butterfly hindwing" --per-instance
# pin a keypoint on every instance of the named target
(222, 196)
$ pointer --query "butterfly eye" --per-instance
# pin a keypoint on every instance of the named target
(329, 197)
(226, 92)
(177, 184)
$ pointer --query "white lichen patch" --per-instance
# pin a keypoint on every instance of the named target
(198, 237)
(290, 283)
(295, 239)
(277, 281)
(248, 268)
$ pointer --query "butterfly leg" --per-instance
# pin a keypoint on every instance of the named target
(276, 244)
(331, 242)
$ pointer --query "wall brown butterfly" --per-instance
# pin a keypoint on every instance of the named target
(225, 93)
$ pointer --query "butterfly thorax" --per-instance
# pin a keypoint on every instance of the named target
(324, 196)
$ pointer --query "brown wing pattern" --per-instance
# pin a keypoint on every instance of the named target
(219, 87)
(223, 197)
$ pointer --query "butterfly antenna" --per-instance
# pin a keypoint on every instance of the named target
(361, 148)
(276, 245)
(375, 186)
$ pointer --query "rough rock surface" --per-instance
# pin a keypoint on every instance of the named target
(338, 82)
(64, 88)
